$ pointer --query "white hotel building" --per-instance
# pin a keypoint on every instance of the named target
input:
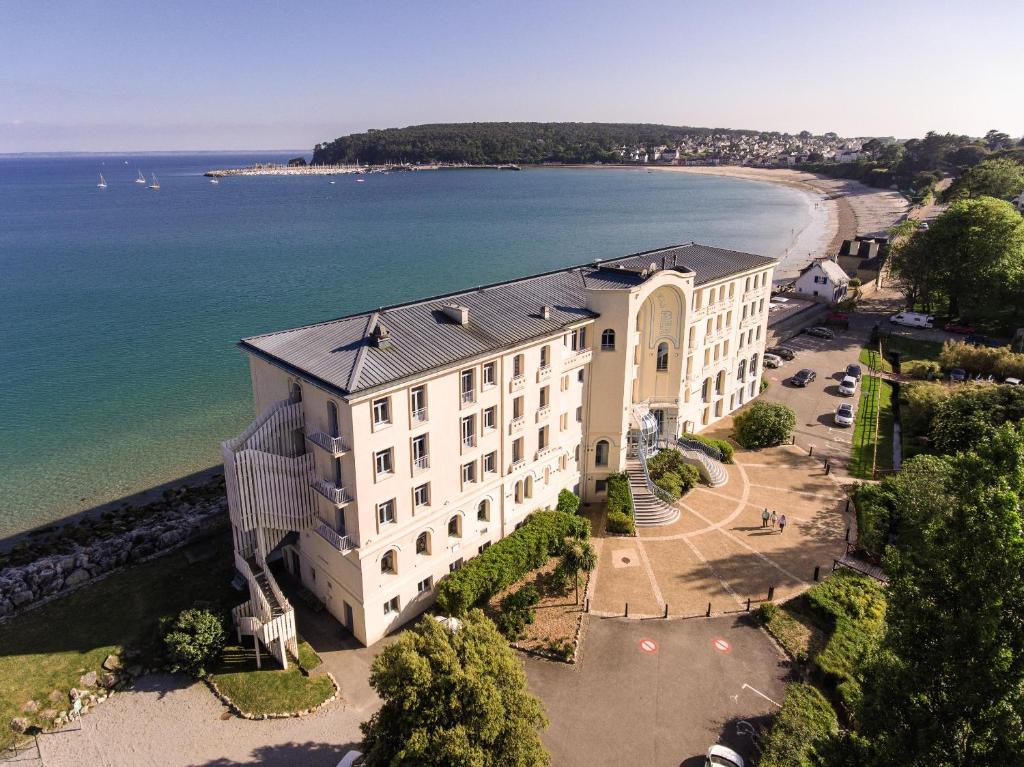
(391, 446)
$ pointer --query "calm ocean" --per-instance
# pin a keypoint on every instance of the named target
(120, 306)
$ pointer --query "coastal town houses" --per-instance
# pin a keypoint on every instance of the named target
(393, 445)
(823, 279)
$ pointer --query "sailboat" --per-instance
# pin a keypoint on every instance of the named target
(140, 179)
(214, 181)
(155, 184)
(103, 182)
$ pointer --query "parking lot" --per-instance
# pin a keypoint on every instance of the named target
(816, 403)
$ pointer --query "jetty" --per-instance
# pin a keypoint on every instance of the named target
(275, 169)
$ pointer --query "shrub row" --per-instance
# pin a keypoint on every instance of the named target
(801, 731)
(619, 524)
(723, 446)
(509, 559)
(619, 499)
(986, 360)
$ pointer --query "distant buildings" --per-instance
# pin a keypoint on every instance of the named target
(762, 150)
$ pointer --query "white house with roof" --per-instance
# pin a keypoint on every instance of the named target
(823, 278)
(391, 446)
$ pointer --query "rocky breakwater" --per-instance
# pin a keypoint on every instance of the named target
(52, 562)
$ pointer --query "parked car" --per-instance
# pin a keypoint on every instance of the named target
(721, 756)
(803, 377)
(1012, 381)
(781, 351)
(844, 415)
(955, 327)
(913, 320)
(349, 759)
(978, 339)
(924, 226)
(848, 386)
(820, 332)
(771, 360)
(958, 375)
(853, 371)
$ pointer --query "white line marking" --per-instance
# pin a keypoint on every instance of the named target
(755, 690)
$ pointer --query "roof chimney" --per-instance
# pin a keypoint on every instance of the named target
(380, 337)
(545, 312)
(457, 313)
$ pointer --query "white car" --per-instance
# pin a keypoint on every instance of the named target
(720, 756)
(1012, 381)
(350, 758)
(848, 386)
(913, 320)
(772, 360)
(844, 415)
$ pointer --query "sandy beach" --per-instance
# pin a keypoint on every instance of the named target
(840, 209)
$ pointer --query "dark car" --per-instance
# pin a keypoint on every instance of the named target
(958, 374)
(853, 371)
(781, 351)
(978, 339)
(954, 327)
(803, 377)
(820, 332)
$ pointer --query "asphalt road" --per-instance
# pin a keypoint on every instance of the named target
(659, 693)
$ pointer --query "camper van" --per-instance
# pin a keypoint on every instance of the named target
(913, 320)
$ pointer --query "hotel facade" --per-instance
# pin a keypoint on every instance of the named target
(392, 446)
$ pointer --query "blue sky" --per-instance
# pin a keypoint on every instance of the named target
(224, 74)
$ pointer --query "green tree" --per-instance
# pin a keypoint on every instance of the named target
(1000, 178)
(947, 687)
(453, 697)
(911, 266)
(578, 556)
(568, 501)
(765, 424)
(194, 640)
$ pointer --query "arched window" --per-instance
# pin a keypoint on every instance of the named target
(528, 487)
(545, 356)
(608, 340)
(519, 491)
(662, 357)
(387, 562)
(483, 511)
(547, 475)
(454, 527)
(720, 384)
(753, 365)
(294, 392)
(705, 390)
(576, 454)
(423, 543)
(601, 453)
(741, 371)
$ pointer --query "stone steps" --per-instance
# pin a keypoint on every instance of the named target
(648, 509)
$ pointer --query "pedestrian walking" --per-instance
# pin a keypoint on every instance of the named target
(764, 517)
(774, 518)
(782, 523)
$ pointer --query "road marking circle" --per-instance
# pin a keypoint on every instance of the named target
(648, 645)
(721, 645)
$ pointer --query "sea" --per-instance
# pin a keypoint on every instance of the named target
(120, 307)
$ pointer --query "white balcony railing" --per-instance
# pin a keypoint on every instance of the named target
(578, 357)
(516, 424)
(419, 416)
(543, 373)
(340, 542)
(546, 451)
(336, 495)
(421, 463)
(517, 383)
(333, 445)
(517, 465)
(543, 412)
(468, 397)
(468, 441)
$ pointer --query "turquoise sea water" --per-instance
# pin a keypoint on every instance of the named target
(120, 306)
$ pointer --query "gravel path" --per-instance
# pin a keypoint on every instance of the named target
(170, 720)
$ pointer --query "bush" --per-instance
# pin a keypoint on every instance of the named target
(998, 361)
(568, 502)
(765, 424)
(671, 473)
(918, 402)
(874, 517)
(620, 524)
(801, 731)
(509, 559)
(971, 413)
(925, 369)
(855, 282)
(194, 640)
(723, 446)
(517, 611)
(619, 499)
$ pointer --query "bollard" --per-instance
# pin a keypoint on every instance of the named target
(810, 450)
(708, 614)
(748, 604)
(847, 533)
(586, 605)
(792, 439)
(771, 593)
(666, 610)
(817, 572)
(847, 505)
(627, 609)
(828, 468)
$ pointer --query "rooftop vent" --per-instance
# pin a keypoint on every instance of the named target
(457, 313)
(545, 312)
(380, 337)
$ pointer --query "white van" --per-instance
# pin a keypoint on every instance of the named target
(913, 320)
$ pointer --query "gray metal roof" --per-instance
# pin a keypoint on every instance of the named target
(341, 354)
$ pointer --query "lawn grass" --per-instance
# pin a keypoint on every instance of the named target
(48, 648)
(863, 454)
(800, 632)
(270, 690)
(912, 351)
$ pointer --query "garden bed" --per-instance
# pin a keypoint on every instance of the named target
(555, 630)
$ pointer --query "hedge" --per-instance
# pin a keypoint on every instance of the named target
(671, 473)
(568, 502)
(998, 361)
(620, 501)
(509, 559)
(801, 731)
(723, 446)
(619, 524)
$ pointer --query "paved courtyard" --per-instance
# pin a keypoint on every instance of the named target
(718, 551)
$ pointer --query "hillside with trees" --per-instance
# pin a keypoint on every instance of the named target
(505, 142)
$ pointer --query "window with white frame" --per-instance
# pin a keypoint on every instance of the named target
(542, 437)
(469, 472)
(466, 385)
(421, 495)
(391, 607)
(545, 356)
(518, 365)
(490, 374)
(418, 403)
(455, 566)
(517, 450)
(425, 585)
(517, 407)
(455, 527)
(608, 340)
(381, 411)
(386, 512)
(489, 418)
(490, 462)
(469, 431)
(423, 543)
(383, 462)
(545, 396)
(601, 453)
(483, 511)
(420, 454)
